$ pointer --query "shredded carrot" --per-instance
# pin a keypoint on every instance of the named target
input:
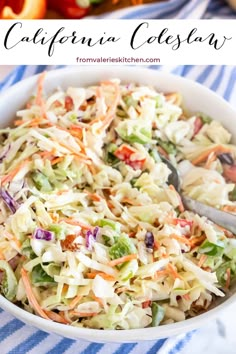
(94, 196)
(83, 314)
(65, 288)
(218, 149)
(210, 159)
(173, 272)
(64, 315)
(229, 208)
(68, 243)
(121, 290)
(98, 300)
(1, 255)
(12, 237)
(13, 173)
(105, 276)
(32, 123)
(160, 273)
(76, 223)
(76, 133)
(228, 276)
(62, 191)
(110, 204)
(180, 239)
(56, 317)
(122, 260)
(111, 113)
(227, 232)
(92, 169)
(164, 255)
(202, 259)
(75, 301)
(196, 241)
(156, 245)
(57, 160)
(107, 119)
(30, 295)
(181, 206)
(73, 151)
(54, 217)
(163, 152)
(173, 97)
(39, 97)
(132, 234)
(75, 127)
(82, 157)
(46, 154)
(131, 202)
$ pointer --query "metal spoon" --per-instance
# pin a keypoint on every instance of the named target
(221, 218)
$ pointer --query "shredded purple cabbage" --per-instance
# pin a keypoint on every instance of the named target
(226, 158)
(149, 239)
(8, 200)
(41, 234)
(95, 232)
(90, 237)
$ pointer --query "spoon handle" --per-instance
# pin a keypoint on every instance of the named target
(226, 220)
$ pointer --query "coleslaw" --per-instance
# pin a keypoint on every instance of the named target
(91, 233)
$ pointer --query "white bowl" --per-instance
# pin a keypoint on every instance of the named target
(196, 98)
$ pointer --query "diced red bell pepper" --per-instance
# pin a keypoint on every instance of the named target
(229, 172)
(183, 222)
(69, 105)
(125, 152)
(197, 125)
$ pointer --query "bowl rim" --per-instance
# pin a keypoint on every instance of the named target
(131, 335)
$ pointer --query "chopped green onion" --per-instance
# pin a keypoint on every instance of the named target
(9, 283)
(232, 194)
(169, 147)
(130, 101)
(221, 271)
(123, 247)
(112, 224)
(154, 154)
(205, 118)
(27, 250)
(73, 118)
(59, 231)
(41, 181)
(211, 249)
(40, 277)
(158, 313)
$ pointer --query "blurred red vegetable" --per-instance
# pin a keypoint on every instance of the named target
(22, 9)
(68, 8)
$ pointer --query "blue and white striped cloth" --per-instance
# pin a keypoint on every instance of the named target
(18, 338)
(178, 9)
